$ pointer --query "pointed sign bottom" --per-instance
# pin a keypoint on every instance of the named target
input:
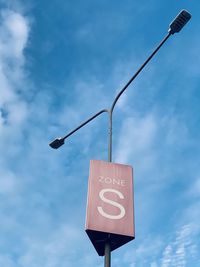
(110, 216)
(99, 239)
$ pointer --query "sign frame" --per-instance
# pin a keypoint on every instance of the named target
(110, 207)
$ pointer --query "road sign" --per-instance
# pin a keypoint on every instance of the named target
(109, 215)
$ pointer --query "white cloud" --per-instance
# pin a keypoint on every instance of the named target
(144, 253)
(141, 132)
(182, 248)
(59, 248)
(166, 261)
(13, 34)
(176, 249)
(14, 31)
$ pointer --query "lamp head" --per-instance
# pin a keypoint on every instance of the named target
(179, 22)
(57, 143)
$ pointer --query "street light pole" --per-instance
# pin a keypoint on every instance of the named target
(177, 24)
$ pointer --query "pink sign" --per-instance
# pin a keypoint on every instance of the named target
(110, 205)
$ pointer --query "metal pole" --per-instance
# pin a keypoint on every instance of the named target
(107, 249)
(107, 258)
(110, 136)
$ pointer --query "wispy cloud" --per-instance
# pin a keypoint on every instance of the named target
(176, 249)
(167, 261)
(13, 40)
(14, 32)
(140, 130)
(181, 249)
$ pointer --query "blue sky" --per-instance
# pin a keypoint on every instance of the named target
(61, 62)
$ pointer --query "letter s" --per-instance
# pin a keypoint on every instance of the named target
(103, 213)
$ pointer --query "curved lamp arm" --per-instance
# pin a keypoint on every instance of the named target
(61, 140)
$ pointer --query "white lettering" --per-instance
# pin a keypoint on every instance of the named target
(108, 180)
(109, 216)
(101, 179)
(123, 182)
(116, 181)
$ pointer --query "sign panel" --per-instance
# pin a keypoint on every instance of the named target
(110, 205)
